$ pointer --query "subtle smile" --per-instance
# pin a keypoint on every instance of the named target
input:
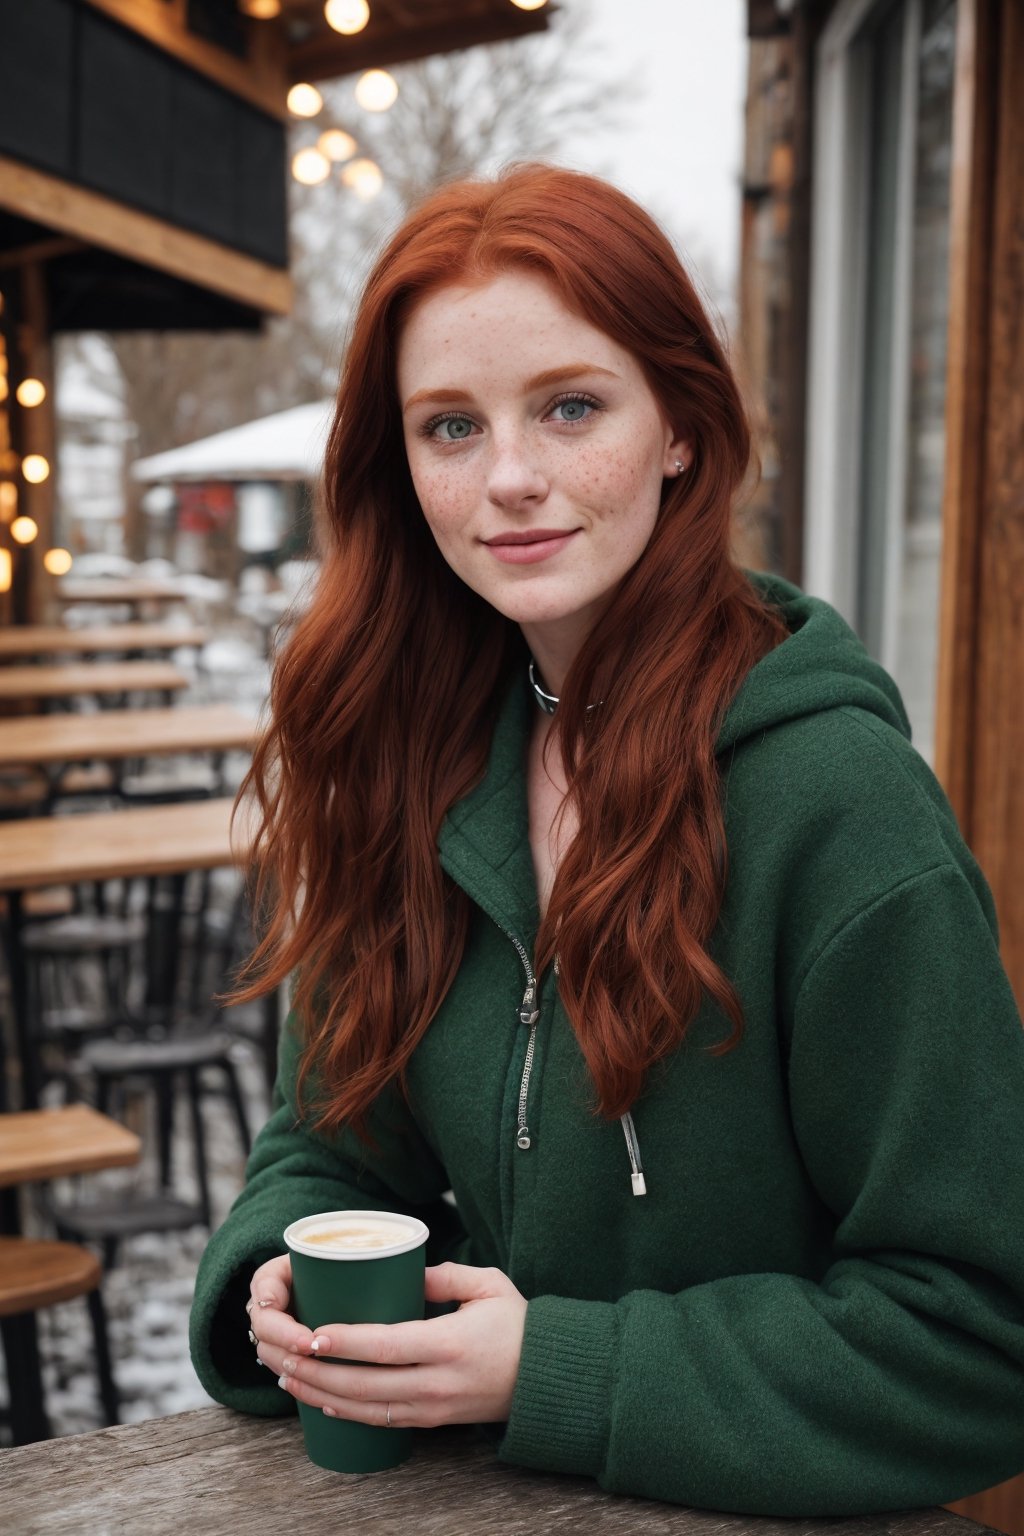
(529, 546)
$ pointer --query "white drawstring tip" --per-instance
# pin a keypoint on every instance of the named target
(639, 1187)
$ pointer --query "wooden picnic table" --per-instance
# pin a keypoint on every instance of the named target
(50, 1143)
(107, 845)
(215, 1473)
(32, 640)
(41, 740)
(89, 677)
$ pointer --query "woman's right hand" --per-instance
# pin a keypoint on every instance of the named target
(270, 1297)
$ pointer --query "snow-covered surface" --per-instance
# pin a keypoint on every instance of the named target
(286, 446)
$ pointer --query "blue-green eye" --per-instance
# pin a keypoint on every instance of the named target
(574, 408)
(459, 428)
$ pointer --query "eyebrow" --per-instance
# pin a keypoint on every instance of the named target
(540, 381)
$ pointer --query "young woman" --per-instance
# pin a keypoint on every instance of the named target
(621, 907)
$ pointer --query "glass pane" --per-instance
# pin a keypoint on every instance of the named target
(917, 664)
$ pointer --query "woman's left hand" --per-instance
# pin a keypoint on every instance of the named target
(457, 1369)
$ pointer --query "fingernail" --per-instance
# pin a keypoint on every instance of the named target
(283, 1383)
(288, 1365)
(330, 1413)
(321, 1342)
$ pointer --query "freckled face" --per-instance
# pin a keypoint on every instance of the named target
(537, 448)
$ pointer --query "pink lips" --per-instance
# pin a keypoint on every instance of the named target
(530, 546)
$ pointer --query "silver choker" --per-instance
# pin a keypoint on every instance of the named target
(549, 701)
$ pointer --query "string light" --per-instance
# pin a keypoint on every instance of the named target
(364, 178)
(260, 10)
(376, 90)
(30, 392)
(304, 100)
(58, 561)
(3, 387)
(5, 570)
(24, 530)
(336, 144)
(310, 167)
(8, 500)
(35, 468)
(347, 16)
(530, 5)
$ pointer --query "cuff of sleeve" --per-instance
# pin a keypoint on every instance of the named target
(222, 1355)
(561, 1409)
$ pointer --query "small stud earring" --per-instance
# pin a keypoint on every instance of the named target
(680, 466)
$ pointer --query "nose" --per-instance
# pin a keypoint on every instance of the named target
(514, 479)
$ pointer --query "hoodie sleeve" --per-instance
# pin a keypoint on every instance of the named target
(294, 1172)
(897, 1379)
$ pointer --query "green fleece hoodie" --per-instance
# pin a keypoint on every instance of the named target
(817, 1308)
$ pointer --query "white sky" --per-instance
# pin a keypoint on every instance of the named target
(680, 149)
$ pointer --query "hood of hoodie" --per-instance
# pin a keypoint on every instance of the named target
(821, 666)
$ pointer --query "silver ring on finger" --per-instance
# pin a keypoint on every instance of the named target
(252, 1337)
(387, 1417)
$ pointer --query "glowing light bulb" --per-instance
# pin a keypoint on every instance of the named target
(530, 5)
(35, 468)
(336, 144)
(310, 167)
(364, 178)
(347, 16)
(58, 561)
(3, 387)
(5, 570)
(376, 90)
(304, 101)
(30, 392)
(24, 530)
(8, 500)
(260, 10)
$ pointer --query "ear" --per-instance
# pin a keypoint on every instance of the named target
(678, 450)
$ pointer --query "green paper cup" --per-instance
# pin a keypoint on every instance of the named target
(356, 1267)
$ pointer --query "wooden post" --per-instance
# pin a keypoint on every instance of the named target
(980, 723)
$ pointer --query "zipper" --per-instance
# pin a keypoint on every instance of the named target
(528, 1013)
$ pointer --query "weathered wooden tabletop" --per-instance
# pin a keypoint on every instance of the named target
(215, 1473)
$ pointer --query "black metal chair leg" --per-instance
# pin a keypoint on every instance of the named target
(165, 1125)
(104, 1365)
(238, 1104)
(20, 1338)
(199, 1138)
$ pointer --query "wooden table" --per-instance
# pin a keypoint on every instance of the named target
(108, 845)
(32, 640)
(116, 589)
(215, 1473)
(49, 1143)
(53, 740)
(90, 677)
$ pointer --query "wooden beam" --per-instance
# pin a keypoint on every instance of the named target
(328, 55)
(38, 250)
(101, 221)
(260, 78)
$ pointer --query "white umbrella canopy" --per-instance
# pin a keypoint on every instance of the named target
(286, 446)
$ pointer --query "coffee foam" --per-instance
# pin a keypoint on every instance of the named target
(359, 1234)
(355, 1234)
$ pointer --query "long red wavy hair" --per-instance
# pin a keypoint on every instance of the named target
(384, 700)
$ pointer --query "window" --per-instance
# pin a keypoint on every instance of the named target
(880, 238)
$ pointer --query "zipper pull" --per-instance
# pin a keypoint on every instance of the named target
(528, 1014)
(523, 1138)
